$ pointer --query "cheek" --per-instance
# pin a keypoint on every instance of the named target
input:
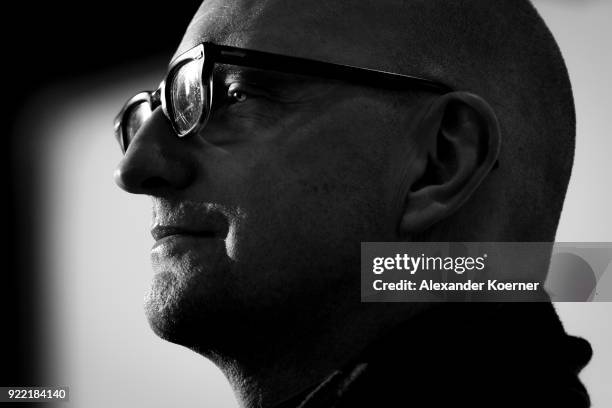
(320, 193)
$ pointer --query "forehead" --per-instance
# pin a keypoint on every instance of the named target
(336, 30)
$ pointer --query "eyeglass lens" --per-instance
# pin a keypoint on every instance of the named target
(137, 115)
(187, 96)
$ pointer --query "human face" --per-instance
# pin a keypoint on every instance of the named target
(187, 94)
(262, 231)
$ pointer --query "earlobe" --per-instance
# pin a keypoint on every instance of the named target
(459, 142)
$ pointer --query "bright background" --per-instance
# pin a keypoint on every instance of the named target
(96, 264)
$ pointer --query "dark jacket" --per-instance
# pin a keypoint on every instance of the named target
(463, 355)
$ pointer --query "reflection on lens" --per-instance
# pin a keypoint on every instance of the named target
(137, 116)
(187, 96)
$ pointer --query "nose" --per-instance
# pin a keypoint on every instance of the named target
(154, 162)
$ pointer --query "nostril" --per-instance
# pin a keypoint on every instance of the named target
(154, 183)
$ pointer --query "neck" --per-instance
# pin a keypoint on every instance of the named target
(280, 364)
(288, 352)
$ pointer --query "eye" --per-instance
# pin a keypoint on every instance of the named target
(236, 95)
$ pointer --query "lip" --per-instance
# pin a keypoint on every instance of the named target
(186, 225)
(177, 238)
(184, 241)
(160, 232)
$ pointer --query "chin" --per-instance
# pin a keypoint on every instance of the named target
(186, 293)
(176, 309)
(193, 309)
(165, 307)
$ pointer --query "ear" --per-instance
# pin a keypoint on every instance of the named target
(458, 143)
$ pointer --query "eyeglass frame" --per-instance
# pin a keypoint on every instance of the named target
(225, 54)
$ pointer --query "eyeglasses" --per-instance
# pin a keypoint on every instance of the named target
(186, 94)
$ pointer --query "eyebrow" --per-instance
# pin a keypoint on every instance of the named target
(264, 77)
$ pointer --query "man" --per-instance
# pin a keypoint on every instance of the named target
(262, 198)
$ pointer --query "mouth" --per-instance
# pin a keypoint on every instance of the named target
(186, 226)
(162, 232)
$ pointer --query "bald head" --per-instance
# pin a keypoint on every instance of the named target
(271, 196)
(499, 50)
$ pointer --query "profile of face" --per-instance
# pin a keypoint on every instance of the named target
(258, 217)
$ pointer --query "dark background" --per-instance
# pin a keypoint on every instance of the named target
(44, 43)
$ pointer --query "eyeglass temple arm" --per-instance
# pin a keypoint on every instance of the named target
(275, 62)
(264, 60)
